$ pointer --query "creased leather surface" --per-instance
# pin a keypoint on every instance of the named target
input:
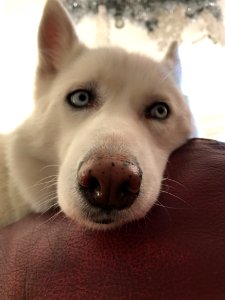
(174, 253)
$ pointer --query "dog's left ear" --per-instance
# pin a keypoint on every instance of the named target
(172, 61)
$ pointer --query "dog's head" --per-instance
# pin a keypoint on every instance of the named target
(110, 120)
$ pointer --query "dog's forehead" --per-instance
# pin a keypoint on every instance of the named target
(115, 65)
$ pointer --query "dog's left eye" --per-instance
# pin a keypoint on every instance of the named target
(79, 99)
(158, 110)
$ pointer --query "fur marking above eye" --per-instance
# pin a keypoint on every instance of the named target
(158, 111)
(79, 98)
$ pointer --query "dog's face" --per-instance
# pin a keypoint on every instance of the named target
(111, 120)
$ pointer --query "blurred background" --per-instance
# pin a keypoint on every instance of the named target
(146, 26)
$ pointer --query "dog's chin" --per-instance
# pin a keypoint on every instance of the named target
(94, 219)
(104, 224)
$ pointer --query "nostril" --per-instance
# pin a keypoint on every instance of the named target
(86, 179)
(126, 194)
(124, 189)
(134, 183)
(89, 183)
(95, 188)
(93, 184)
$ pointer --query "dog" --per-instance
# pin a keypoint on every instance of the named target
(104, 125)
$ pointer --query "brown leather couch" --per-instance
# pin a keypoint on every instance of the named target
(176, 252)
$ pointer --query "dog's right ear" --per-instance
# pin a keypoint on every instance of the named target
(172, 61)
(56, 37)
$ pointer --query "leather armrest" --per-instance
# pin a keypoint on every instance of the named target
(176, 252)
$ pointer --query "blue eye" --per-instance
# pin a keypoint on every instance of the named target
(79, 98)
(158, 110)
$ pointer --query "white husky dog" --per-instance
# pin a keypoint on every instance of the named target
(98, 140)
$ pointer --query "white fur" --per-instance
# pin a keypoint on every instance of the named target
(42, 156)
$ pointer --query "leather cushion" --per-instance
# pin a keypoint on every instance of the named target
(176, 252)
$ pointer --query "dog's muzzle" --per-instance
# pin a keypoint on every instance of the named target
(109, 183)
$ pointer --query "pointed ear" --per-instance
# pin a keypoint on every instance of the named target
(56, 37)
(172, 60)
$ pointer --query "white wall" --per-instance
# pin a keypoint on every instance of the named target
(203, 65)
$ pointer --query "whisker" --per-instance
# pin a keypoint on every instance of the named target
(52, 218)
(40, 182)
(175, 196)
(48, 186)
(49, 194)
(175, 181)
(50, 176)
(165, 208)
(167, 186)
(47, 200)
(49, 166)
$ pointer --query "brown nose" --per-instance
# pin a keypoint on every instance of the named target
(109, 183)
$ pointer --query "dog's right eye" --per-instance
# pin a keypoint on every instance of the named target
(79, 98)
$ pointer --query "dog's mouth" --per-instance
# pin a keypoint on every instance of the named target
(103, 221)
(100, 216)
